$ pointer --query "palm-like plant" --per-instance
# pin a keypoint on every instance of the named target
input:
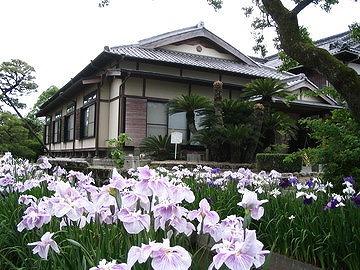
(157, 146)
(265, 89)
(189, 104)
(237, 136)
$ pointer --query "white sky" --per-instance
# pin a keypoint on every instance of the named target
(60, 37)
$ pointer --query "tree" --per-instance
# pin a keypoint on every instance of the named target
(23, 145)
(189, 104)
(44, 96)
(273, 13)
(16, 79)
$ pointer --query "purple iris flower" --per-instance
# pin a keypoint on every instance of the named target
(308, 201)
(285, 182)
(310, 183)
(356, 199)
(215, 170)
(349, 179)
(334, 202)
(293, 180)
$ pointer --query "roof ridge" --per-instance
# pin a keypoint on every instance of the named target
(171, 33)
(325, 39)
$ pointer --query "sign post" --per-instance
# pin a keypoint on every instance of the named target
(176, 138)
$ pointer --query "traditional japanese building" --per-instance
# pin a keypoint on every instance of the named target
(126, 89)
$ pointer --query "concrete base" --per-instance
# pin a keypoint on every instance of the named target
(276, 261)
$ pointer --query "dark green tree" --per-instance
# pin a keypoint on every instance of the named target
(16, 79)
(44, 96)
(16, 138)
(273, 13)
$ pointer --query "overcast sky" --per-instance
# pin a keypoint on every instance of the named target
(60, 37)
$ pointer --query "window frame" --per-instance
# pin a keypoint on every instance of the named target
(166, 102)
(88, 101)
(47, 130)
(160, 125)
(57, 121)
(70, 111)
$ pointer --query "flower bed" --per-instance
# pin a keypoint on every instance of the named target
(176, 219)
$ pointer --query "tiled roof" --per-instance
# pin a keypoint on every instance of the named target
(181, 58)
(334, 44)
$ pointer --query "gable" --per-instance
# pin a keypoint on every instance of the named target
(184, 39)
(200, 46)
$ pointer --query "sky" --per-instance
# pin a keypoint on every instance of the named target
(60, 37)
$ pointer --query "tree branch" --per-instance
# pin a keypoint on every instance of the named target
(303, 4)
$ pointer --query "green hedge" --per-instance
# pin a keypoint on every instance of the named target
(268, 162)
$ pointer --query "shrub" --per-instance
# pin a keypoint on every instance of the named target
(268, 162)
(117, 152)
(338, 147)
(158, 147)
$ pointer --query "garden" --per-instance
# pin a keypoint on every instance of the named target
(156, 218)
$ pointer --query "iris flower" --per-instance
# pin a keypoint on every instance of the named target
(250, 202)
(163, 256)
(104, 265)
(239, 255)
(42, 247)
(204, 215)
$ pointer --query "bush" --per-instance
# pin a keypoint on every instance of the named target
(338, 147)
(117, 151)
(268, 162)
(158, 147)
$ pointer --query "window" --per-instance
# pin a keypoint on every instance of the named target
(88, 121)
(69, 123)
(88, 116)
(90, 98)
(157, 118)
(56, 128)
(47, 137)
(177, 122)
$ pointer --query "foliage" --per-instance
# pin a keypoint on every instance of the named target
(355, 31)
(339, 145)
(313, 231)
(327, 91)
(230, 141)
(326, 238)
(189, 104)
(245, 129)
(44, 96)
(16, 79)
(268, 162)
(277, 149)
(265, 89)
(117, 151)
(15, 137)
(235, 112)
(275, 14)
(158, 147)
(287, 62)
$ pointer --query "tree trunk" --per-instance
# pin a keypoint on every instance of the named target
(219, 122)
(258, 120)
(190, 118)
(344, 79)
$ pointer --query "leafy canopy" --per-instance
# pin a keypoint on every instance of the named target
(22, 145)
(44, 96)
(16, 79)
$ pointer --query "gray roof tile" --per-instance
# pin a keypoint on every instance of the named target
(198, 61)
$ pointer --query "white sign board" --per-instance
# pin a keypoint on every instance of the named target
(176, 137)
